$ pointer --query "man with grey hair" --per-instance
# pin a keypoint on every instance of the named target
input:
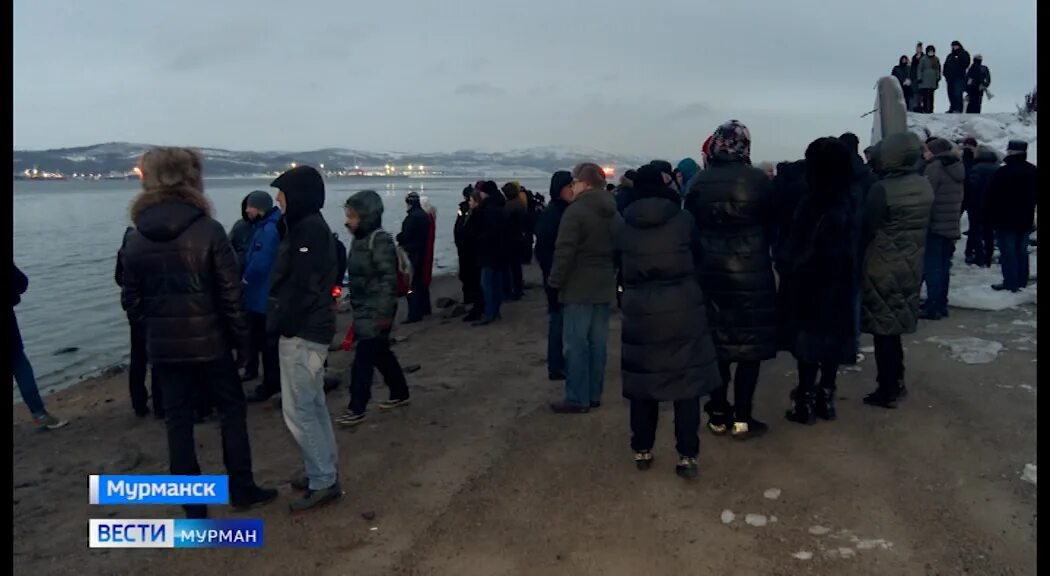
(584, 276)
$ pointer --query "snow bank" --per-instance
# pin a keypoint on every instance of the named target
(993, 130)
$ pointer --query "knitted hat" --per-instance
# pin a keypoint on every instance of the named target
(939, 146)
(732, 139)
(970, 141)
(1017, 146)
(412, 198)
(259, 200)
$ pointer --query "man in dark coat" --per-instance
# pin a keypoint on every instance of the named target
(980, 238)
(732, 204)
(194, 318)
(955, 67)
(302, 313)
(241, 235)
(138, 361)
(493, 243)
(978, 79)
(21, 369)
(1012, 197)
(915, 105)
(946, 174)
(546, 237)
(415, 231)
(667, 353)
(520, 236)
(819, 281)
(893, 236)
(467, 252)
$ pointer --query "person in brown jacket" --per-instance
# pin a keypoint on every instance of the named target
(946, 174)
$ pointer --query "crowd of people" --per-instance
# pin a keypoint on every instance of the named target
(715, 267)
(920, 76)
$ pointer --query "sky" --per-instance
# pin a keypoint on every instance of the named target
(644, 78)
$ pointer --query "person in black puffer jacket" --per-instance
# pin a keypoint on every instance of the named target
(493, 249)
(979, 242)
(546, 237)
(732, 204)
(193, 318)
(667, 352)
(819, 283)
(1013, 195)
(467, 252)
(138, 360)
(902, 72)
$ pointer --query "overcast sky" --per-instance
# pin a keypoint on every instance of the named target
(648, 78)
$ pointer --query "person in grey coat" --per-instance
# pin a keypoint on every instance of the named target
(928, 79)
(946, 175)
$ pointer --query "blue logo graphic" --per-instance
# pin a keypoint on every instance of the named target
(178, 533)
(158, 489)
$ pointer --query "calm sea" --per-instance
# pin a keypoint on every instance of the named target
(66, 236)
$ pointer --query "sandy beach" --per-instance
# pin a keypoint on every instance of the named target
(478, 477)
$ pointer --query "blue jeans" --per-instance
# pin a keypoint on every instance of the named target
(1013, 255)
(492, 286)
(555, 327)
(585, 333)
(23, 373)
(305, 411)
(936, 271)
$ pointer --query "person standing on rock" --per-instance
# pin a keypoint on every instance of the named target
(818, 280)
(193, 319)
(584, 274)
(467, 256)
(415, 230)
(667, 352)
(493, 249)
(902, 72)
(956, 64)
(733, 207)
(21, 369)
(946, 175)
(259, 261)
(980, 244)
(978, 79)
(302, 313)
(929, 78)
(915, 104)
(139, 359)
(1012, 197)
(373, 295)
(894, 232)
(546, 238)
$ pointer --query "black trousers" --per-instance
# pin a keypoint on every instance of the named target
(418, 298)
(137, 375)
(183, 385)
(746, 378)
(517, 282)
(371, 355)
(470, 277)
(973, 106)
(807, 376)
(889, 361)
(265, 345)
(646, 413)
(980, 242)
(926, 100)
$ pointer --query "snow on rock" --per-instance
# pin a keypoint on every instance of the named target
(756, 520)
(772, 493)
(1029, 473)
(728, 516)
(993, 130)
(968, 349)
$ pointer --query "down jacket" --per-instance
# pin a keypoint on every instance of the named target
(896, 219)
(372, 268)
(946, 175)
(929, 77)
(731, 203)
(978, 182)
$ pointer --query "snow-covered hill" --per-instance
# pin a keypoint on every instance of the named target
(994, 130)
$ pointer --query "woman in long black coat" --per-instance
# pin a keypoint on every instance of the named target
(667, 353)
(819, 281)
(734, 210)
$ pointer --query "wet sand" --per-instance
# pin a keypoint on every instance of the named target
(477, 477)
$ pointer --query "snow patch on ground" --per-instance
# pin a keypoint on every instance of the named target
(1028, 323)
(819, 530)
(992, 130)
(772, 493)
(728, 516)
(802, 555)
(968, 349)
(756, 520)
(1028, 475)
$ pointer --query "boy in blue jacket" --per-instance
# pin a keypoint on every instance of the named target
(259, 260)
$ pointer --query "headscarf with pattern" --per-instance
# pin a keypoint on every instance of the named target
(732, 139)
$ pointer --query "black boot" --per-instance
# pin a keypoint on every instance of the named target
(885, 396)
(802, 412)
(824, 407)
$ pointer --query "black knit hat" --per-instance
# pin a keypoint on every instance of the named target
(1017, 146)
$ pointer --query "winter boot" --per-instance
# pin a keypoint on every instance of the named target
(885, 396)
(803, 411)
(824, 407)
(718, 418)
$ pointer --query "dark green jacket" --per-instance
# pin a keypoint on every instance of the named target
(896, 219)
(372, 267)
(583, 270)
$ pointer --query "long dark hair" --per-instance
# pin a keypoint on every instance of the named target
(904, 61)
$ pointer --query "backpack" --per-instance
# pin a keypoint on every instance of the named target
(404, 266)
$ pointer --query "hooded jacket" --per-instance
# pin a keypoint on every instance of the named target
(300, 297)
(241, 235)
(372, 268)
(1013, 195)
(978, 182)
(667, 351)
(20, 285)
(548, 222)
(492, 236)
(732, 205)
(260, 260)
(181, 278)
(978, 78)
(689, 168)
(896, 219)
(946, 175)
(583, 270)
(413, 238)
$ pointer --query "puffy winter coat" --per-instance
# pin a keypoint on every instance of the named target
(667, 350)
(978, 182)
(493, 240)
(300, 300)
(372, 268)
(896, 219)
(1013, 195)
(732, 205)
(584, 270)
(946, 175)
(978, 78)
(262, 253)
(929, 73)
(902, 72)
(181, 279)
(956, 63)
